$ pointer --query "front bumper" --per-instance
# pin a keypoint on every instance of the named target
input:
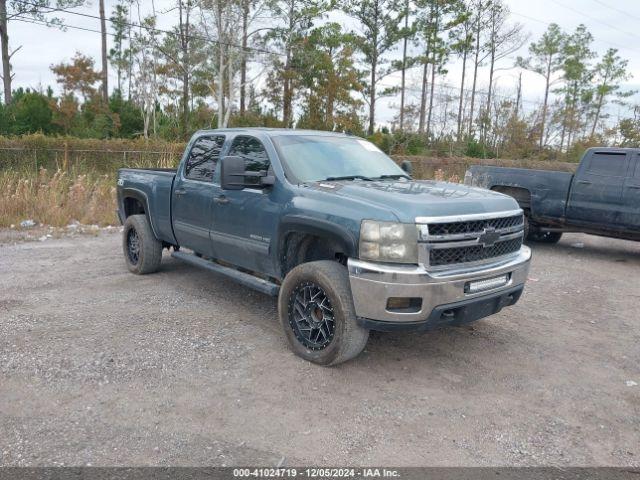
(438, 298)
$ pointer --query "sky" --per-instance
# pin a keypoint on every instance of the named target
(613, 23)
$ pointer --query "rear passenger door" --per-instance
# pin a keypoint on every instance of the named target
(193, 194)
(630, 214)
(596, 190)
(245, 221)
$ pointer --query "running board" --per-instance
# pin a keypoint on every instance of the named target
(245, 279)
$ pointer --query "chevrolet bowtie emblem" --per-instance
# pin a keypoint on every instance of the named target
(489, 237)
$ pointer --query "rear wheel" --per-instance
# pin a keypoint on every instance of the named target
(317, 314)
(142, 250)
(544, 237)
(533, 233)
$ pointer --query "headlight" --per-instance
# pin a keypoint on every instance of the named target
(388, 242)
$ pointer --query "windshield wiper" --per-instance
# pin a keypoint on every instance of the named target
(394, 176)
(348, 177)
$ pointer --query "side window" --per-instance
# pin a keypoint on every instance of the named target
(637, 160)
(608, 164)
(203, 158)
(254, 154)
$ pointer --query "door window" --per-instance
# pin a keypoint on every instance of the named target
(203, 158)
(608, 164)
(254, 154)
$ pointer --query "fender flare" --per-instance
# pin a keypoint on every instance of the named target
(139, 195)
(518, 193)
(318, 227)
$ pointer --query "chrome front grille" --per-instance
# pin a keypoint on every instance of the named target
(474, 226)
(473, 253)
(469, 239)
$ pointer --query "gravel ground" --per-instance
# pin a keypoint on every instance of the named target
(101, 367)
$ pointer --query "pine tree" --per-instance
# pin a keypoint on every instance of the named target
(119, 53)
(379, 33)
(576, 55)
(295, 20)
(545, 60)
(608, 74)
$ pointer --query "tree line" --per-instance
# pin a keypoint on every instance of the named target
(326, 64)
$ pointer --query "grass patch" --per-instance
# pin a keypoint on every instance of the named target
(57, 198)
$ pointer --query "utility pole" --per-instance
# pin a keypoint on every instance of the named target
(243, 63)
(404, 63)
(105, 73)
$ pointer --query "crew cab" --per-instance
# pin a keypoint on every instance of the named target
(601, 198)
(329, 224)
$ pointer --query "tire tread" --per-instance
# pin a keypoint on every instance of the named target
(151, 247)
(334, 276)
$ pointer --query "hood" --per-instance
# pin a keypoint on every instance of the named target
(410, 199)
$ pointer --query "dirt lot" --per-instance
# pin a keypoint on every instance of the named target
(101, 367)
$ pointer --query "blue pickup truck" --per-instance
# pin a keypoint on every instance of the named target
(601, 198)
(333, 227)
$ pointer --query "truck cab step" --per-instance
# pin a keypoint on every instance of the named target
(246, 279)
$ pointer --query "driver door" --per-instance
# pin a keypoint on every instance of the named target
(244, 230)
(596, 190)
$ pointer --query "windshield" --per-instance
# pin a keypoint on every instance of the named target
(310, 158)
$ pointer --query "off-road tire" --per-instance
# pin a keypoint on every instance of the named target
(527, 226)
(149, 247)
(544, 237)
(349, 338)
(533, 233)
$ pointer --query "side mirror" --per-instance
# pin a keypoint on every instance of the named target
(267, 180)
(233, 175)
(407, 166)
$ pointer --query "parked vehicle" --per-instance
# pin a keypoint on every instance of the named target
(602, 198)
(332, 226)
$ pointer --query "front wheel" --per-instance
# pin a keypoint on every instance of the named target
(317, 313)
(142, 250)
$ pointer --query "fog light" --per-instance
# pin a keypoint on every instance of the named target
(487, 284)
(404, 304)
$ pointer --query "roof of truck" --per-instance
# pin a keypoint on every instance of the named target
(614, 149)
(274, 131)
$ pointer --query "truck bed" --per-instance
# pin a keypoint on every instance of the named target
(167, 170)
(152, 187)
(549, 188)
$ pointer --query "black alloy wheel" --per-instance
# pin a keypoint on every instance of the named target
(311, 316)
(133, 246)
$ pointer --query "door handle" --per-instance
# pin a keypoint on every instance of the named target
(221, 200)
(635, 187)
(180, 191)
(584, 182)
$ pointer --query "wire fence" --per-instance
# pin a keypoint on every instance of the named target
(451, 167)
(83, 161)
(74, 161)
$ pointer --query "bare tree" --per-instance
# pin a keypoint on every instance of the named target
(479, 9)
(222, 23)
(463, 47)
(145, 82)
(407, 32)
(36, 10)
(504, 39)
